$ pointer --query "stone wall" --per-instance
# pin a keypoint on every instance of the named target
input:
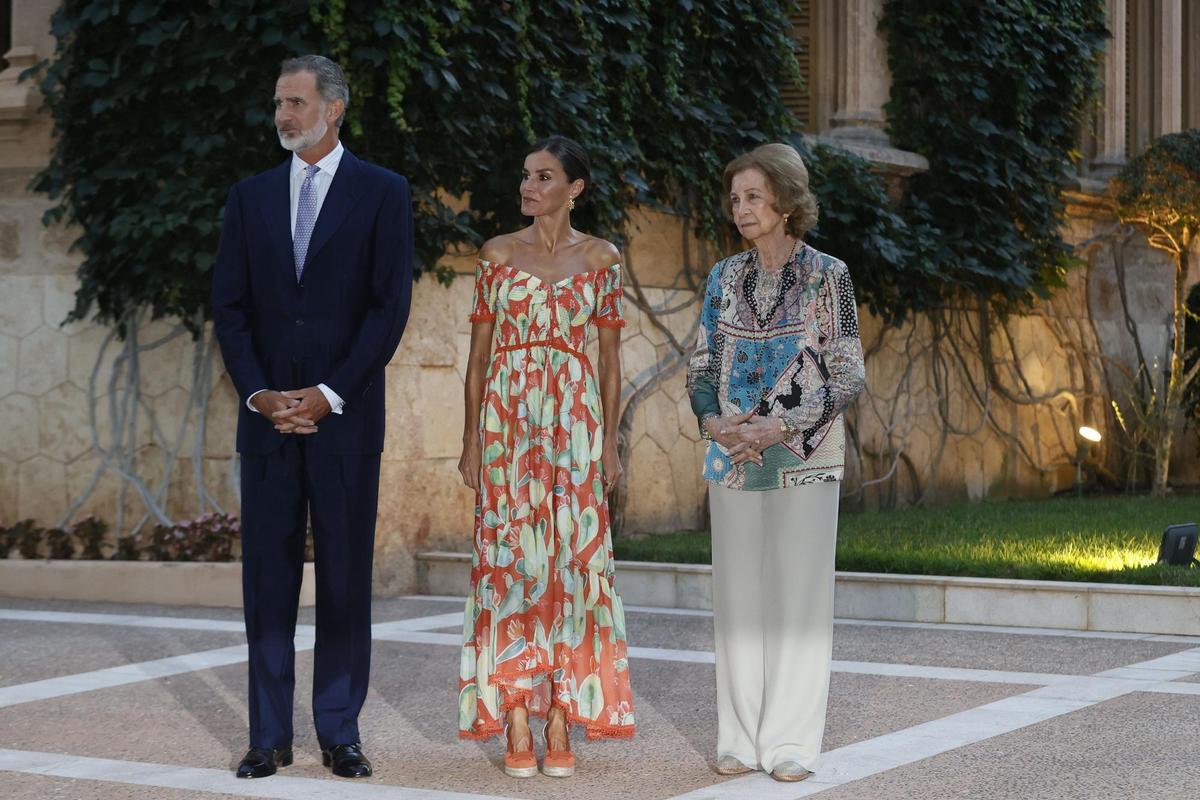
(46, 389)
(47, 460)
(46, 369)
(929, 404)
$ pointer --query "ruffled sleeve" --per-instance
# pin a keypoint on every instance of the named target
(483, 306)
(609, 292)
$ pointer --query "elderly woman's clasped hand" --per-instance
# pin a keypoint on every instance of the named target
(745, 436)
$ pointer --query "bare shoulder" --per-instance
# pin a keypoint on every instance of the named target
(498, 249)
(601, 253)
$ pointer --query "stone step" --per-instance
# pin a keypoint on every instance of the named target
(1128, 608)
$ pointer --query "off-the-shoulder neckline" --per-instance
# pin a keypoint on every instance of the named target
(540, 279)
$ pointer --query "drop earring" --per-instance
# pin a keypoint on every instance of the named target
(570, 204)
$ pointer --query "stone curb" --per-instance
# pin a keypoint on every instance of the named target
(1068, 605)
(171, 583)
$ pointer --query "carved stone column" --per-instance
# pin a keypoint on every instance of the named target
(860, 67)
(1110, 127)
(854, 85)
(24, 131)
(1191, 66)
(18, 101)
(1167, 64)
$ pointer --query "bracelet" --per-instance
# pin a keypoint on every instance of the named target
(788, 427)
(704, 434)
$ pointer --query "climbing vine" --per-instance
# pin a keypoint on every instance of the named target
(159, 106)
(453, 93)
(994, 95)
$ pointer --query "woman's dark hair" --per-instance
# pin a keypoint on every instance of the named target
(571, 155)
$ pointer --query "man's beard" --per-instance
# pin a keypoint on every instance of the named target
(305, 139)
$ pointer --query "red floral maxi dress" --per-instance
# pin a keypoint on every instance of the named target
(543, 623)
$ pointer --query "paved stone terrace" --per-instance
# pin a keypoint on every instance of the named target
(146, 703)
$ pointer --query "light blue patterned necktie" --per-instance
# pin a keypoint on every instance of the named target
(306, 218)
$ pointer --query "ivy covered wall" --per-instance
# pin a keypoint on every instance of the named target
(153, 129)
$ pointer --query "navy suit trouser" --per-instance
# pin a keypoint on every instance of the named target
(280, 490)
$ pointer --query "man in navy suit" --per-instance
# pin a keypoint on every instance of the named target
(311, 292)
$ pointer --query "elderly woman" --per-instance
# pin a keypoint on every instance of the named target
(777, 361)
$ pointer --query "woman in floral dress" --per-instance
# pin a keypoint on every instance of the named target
(544, 632)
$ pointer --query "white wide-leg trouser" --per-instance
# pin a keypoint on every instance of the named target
(773, 564)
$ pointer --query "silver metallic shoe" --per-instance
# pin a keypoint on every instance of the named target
(729, 765)
(790, 771)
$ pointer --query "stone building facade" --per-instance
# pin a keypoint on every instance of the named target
(47, 370)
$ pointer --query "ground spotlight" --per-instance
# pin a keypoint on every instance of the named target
(1178, 545)
(1087, 437)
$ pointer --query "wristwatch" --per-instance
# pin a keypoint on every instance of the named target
(704, 434)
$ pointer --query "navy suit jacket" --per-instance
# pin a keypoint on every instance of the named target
(340, 325)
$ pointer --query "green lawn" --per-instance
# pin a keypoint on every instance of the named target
(1108, 539)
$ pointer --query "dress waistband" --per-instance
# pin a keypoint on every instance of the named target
(554, 345)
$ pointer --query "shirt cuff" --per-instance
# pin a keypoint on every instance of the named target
(335, 402)
(249, 405)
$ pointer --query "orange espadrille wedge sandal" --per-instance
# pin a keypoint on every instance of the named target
(518, 765)
(557, 763)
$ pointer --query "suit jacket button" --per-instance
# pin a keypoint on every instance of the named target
(299, 322)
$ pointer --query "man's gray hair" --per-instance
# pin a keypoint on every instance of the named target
(331, 81)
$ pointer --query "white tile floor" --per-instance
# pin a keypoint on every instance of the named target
(1054, 695)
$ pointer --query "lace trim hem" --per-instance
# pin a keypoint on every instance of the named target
(593, 730)
(609, 323)
(520, 698)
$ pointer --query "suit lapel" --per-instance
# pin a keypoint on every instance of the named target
(277, 213)
(342, 193)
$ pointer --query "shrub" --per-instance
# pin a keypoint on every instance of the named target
(212, 537)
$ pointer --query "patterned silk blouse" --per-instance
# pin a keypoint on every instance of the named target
(805, 363)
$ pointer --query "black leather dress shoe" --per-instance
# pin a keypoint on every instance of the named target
(260, 762)
(347, 760)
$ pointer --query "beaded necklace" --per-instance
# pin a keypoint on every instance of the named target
(765, 289)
